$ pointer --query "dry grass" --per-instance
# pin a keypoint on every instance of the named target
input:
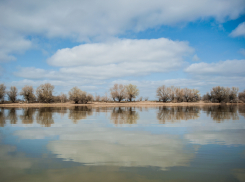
(111, 104)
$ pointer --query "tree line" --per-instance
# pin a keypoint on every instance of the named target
(45, 94)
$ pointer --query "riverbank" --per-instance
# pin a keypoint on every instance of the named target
(114, 104)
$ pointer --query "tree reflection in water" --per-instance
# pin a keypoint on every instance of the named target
(2, 118)
(242, 110)
(174, 114)
(79, 112)
(12, 116)
(45, 116)
(220, 113)
(124, 116)
(28, 115)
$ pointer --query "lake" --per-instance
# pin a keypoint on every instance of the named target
(114, 144)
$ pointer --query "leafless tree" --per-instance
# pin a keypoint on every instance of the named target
(77, 95)
(242, 96)
(2, 92)
(141, 98)
(132, 91)
(146, 98)
(45, 93)
(118, 92)
(60, 98)
(179, 94)
(191, 95)
(28, 93)
(233, 94)
(12, 94)
(163, 93)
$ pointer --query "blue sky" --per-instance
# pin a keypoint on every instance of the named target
(94, 44)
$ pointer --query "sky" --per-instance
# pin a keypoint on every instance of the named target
(94, 44)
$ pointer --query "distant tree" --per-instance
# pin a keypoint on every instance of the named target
(63, 97)
(28, 93)
(132, 91)
(233, 94)
(141, 98)
(77, 95)
(12, 94)
(241, 96)
(163, 93)
(118, 92)
(219, 94)
(179, 94)
(191, 95)
(2, 92)
(146, 98)
(206, 97)
(45, 93)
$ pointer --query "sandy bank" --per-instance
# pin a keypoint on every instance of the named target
(113, 104)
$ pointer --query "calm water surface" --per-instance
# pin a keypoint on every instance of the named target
(122, 144)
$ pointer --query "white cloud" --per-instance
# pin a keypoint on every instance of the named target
(97, 20)
(11, 43)
(113, 59)
(228, 68)
(141, 51)
(239, 31)
(92, 18)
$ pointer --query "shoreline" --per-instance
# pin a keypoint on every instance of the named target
(116, 104)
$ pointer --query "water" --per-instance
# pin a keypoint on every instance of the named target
(122, 144)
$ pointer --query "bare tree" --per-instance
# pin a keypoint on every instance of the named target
(12, 94)
(233, 94)
(163, 93)
(28, 93)
(118, 92)
(45, 93)
(63, 98)
(179, 93)
(146, 98)
(141, 98)
(77, 95)
(222, 94)
(132, 91)
(241, 96)
(2, 92)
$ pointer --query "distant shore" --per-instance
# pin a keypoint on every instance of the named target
(115, 104)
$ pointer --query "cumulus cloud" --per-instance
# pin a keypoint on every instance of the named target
(97, 20)
(239, 31)
(113, 59)
(92, 18)
(122, 51)
(11, 43)
(228, 67)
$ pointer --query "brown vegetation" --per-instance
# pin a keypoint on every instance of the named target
(174, 94)
(28, 93)
(45, 93)
(241, 96)
(2, 92)
(12, 94)
(222, 95)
